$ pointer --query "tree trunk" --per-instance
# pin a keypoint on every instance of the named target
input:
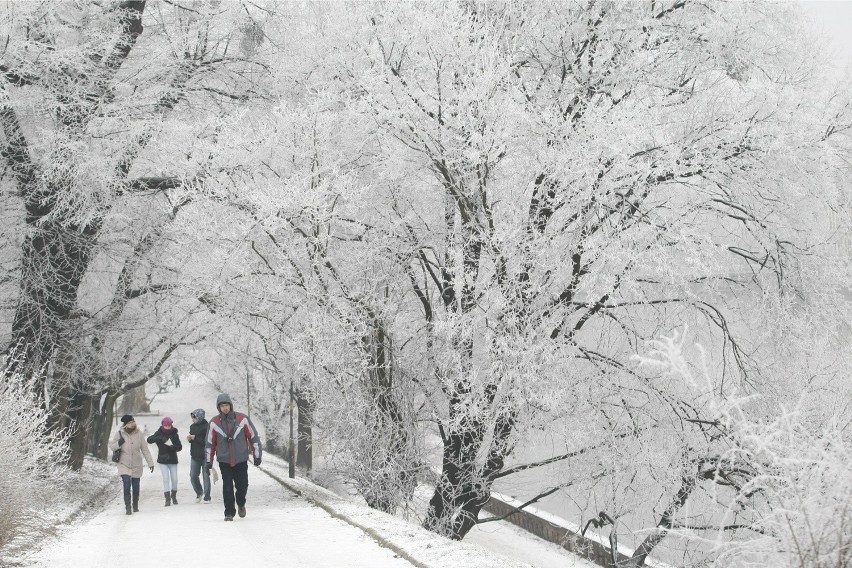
(70, 408)
(464, 488)
(688, 484)
(80, 415)
(274, 446)
(304, 453)
(134, 401)
(101, 428)
(459, 496)
(394, 479)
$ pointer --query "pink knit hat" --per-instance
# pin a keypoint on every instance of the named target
(166, 421)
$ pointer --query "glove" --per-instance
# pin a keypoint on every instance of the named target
(151, 468)
(257, 461)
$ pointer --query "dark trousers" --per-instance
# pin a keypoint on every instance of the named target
(234, 476)
(129, 482)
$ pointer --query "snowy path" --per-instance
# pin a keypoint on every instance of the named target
(279, 529)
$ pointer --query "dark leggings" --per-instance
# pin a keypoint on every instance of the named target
(129, 482)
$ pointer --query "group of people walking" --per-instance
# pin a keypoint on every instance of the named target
(230, 438)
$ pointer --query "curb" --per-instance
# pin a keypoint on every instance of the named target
(372, 533)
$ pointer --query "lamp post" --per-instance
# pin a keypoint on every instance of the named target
(291, 452)
(248, 390)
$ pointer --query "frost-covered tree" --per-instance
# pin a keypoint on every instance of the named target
(103, 106)
(501, 202)
(528, 192)
(65, 60)
(761, 484)
(570, 179)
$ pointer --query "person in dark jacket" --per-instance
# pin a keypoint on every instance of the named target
(197, 438)
(232, 438)
(168, 445)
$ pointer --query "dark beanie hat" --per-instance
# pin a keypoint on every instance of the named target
(126, 418)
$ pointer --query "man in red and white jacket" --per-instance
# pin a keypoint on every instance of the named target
(232, 438)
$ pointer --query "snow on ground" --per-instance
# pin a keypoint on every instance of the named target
(279, 527)
(289, 522)
(497, 544)
(511, 541)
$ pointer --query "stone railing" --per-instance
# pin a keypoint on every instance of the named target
(553, 529)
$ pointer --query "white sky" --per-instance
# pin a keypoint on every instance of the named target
(834, 17)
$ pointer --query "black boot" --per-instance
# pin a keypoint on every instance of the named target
(127, 505)
(168, 499)
(174, 497)
(136, 503)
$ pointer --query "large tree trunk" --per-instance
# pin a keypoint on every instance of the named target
(457, 500)
(71, 404)
(461, 491)
(465, 483)
(68, 407)
(54, 260)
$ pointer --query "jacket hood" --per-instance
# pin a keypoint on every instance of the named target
(223, 398)
(198, 413)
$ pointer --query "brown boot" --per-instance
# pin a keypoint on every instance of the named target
(168, 499)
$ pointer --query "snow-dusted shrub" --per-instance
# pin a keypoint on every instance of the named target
(32, 460)
(804, 482)
(373, 442)
(786, 490)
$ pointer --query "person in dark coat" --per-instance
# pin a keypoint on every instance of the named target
(168, 445)
(133, 448)
(232, 439)
(197, 438)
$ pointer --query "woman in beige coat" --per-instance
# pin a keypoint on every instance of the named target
(133, 446)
